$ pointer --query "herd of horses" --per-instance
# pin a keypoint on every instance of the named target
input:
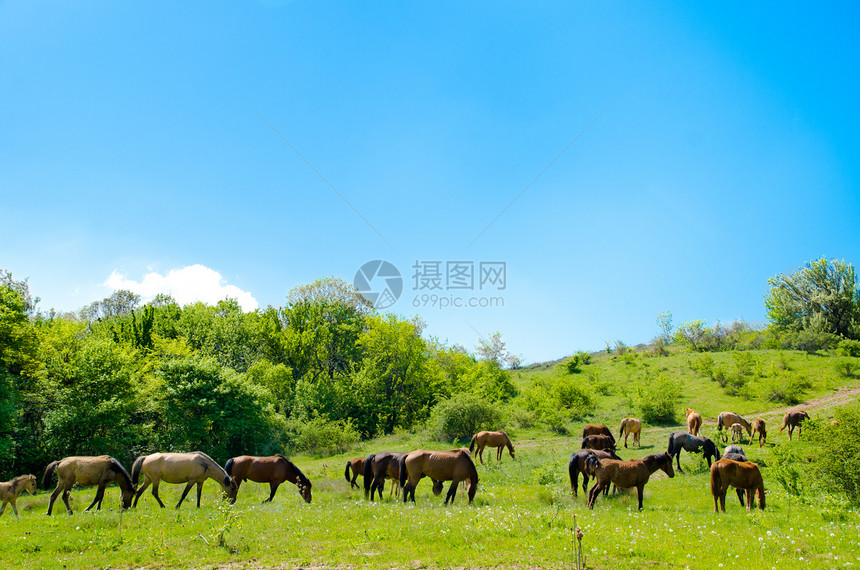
(597, 460)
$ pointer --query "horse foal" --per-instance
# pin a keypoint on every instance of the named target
(10, 490)
(760, 427)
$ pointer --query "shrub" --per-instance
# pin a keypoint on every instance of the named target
(811, 341)
(703, 364)
(744, 362)
(658, 399)
(461, 416)
(849, 347)
(786, 388)
(846, 367)
(320, 436)
(837, 467)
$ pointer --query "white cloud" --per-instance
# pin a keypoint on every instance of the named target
(186, 285)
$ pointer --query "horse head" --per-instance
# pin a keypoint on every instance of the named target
(230, 488)
(305, 490)
(127, 496)
(30, 485)
(666, 464)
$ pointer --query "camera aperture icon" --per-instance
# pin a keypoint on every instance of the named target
(379, 282)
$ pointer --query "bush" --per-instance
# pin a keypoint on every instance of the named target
(786, 388)
(811, 341)
(658, 399)
(849, 347)
(461, 416)
(837, 467)
(704, 365)
(320, 436)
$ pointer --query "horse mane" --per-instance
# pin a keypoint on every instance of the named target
(116, 467)
(304, 480)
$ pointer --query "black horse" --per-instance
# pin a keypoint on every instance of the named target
(694, 444)
(577, 465)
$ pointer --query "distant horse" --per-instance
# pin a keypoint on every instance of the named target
(598, 442)
(379, 467)
(577, 465)
(273, 470)
(760, 427)
(454, 466)
(86, 471)
(592, 429)
(738, 433)
(189, 468)
(727, 419)
(793, 420)
(627, 474)
(694, 422)
(10, 490)
(357, 467)
(630, 426)
(743, 475)
(497, 439)
(691, 443)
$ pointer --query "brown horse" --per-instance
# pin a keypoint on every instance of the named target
(598, 442)
(454, 466)
(190, 468)
(627, 474)
(694, 422)
(377, 468)
(86, 471)
(356, 466)
(760, 427)
(630, 426)
(793, 420)
(577, 465)
(497, 439)
(10, 490)
(743, 475)
(727, 420)
(592, 429)
(273, 470)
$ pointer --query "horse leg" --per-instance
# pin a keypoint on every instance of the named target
(750, 499)
(273, 488)
(14, 508)
(199, 492)
(155, 493)
(452, 492)
(499, 453)
(481, 453)
(66, 494)
(185, 492)
(741, 496)
(54, 496)
(678, 461)
(141, 490)
(98, 499)
(640, 490)
(592, 495)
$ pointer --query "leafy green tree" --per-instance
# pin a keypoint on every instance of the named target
(493, 349)
(822, 296)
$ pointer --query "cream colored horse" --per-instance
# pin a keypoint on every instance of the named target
(189, 468)
(497, 439)
(10, 490)
(630, 426)
(728, 419)
(694, 422)
(85, 471)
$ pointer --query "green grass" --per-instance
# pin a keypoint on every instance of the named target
(523, 515)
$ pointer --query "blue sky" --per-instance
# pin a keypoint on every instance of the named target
(247, 148)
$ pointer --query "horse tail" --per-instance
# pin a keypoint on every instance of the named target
(403, 474)
(784, 423)
(49, 472)
(346, 473)
(472, 443)
(228, 467)
(368, 474)
(135, 469)
(715, 480)
(671, 450)
(621, 429)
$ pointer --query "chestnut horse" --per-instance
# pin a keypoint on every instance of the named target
(630, 426)
(454, 466)
(379, 467)
(598, 442)
(592, 429)
(627, 474)
(760, 427)
(273, 470)
(743, 475)
(85, 471)
(793, 420)
(189, 468)
(497, 439)
(357, 467)
(694, 422)
(576, 465)
(728, 419)
(10, 490)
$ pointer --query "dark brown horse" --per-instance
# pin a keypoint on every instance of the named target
(793, 420)
(454, 466)
(592, 429)
(379, 467)
(627, 474)
(10, 490)
(598, 442)
(743, 475)
(577, 465)
(86, 471)
(356, 466)
(273, 470)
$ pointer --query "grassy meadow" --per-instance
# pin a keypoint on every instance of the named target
(524, 515)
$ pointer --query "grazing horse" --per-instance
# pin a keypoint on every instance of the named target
(627, 474)
(454, 466)
(738, 433)
(598, 442)
(188, 468)
(743, 475)
(10, 490)
(497, 439)
(577, 465)
(592, 429)
(760, 427)
(86, 471)
(273, 470)
(379, 467)
(736, 453)
(630, 426)
(691, 443)
(694, 422)
(357, 467)
(793, 420)
(728, 419)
